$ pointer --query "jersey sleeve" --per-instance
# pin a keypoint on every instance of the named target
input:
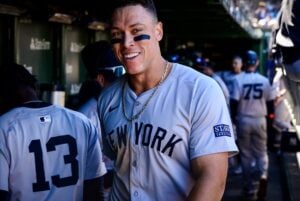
(4, 163)
(211, 130)
(223, 87)
(95, 166)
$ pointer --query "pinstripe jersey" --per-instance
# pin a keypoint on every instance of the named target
(186, 118)
(252, 90)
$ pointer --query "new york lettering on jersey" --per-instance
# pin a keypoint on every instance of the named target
(147, 135)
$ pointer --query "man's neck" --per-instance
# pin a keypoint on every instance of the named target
(150, 78)
(251, 69)
(28, 95)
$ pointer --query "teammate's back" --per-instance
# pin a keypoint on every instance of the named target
(252, 100)
(46, 152)
(252, 90)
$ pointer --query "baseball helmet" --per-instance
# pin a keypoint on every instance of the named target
(251, 57)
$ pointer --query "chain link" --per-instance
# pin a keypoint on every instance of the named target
(130, 119)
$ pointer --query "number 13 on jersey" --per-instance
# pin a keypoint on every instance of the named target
(35, 147)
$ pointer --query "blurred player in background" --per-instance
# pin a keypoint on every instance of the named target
(207, 68)
(228, 77)
(46, 152)
(252, 100)
(103, 68)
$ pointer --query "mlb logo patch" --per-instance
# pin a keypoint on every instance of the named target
(222, 130)
(45, 119)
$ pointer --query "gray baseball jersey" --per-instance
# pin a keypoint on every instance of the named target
(223, 87)
(252, 90)
(47, 152)
(186, 118)
(90, 110)
(228, 77)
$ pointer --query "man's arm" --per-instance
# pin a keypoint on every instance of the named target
(93, 189)
(210, 172)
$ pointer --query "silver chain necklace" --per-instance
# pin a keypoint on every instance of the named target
(130, 119)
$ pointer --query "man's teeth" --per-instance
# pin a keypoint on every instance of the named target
(131, 55)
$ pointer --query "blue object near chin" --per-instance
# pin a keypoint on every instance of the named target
(141, 37)
(293, 70)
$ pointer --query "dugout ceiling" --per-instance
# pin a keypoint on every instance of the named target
(188, 19)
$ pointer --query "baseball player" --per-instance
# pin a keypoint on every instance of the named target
(101, 64)
(207, 68)
(229, 76)
(252, 93)
(103, 68)
(46, 152)
(166, 126)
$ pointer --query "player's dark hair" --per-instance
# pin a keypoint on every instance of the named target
(147, 4)
(15, 76)
(237, 56)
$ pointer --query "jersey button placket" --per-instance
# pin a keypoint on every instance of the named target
(134, 167)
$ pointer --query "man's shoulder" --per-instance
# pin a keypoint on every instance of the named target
(75, 115)
(10, 116)
(186, 74)
(261, 78)
(88, 106)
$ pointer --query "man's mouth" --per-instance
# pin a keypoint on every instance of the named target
(131, 55)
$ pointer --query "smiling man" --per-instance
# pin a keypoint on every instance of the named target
(166, 126)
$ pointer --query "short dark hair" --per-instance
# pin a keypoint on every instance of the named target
(14, 76)
(237, 56)
(147, 4)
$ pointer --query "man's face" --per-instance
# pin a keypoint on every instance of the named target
(136, 34)
(237, 65)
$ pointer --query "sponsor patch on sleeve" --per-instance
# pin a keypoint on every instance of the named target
(222, 130)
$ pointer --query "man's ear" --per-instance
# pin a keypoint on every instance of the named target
(159, 31)
(257, 63)
(100, 79)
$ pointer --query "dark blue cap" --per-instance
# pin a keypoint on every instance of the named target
(251, 57)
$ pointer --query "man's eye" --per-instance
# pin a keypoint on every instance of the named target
(116, 35)
(135, 31)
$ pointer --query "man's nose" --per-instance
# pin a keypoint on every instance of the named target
(128, 40)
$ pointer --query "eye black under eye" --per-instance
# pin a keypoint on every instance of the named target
(141, 37)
